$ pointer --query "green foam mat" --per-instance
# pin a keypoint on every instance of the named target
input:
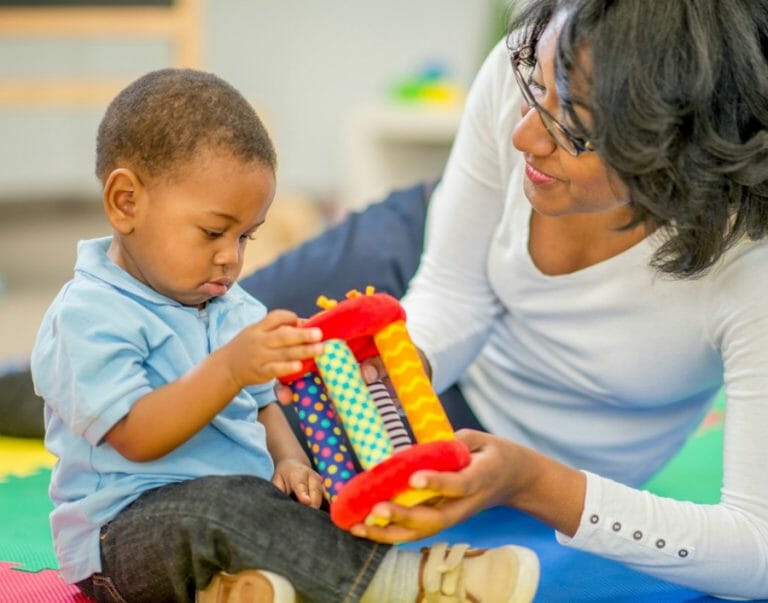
(696, 472)
(25, 536)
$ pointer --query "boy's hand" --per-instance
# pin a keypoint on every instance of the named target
(294, 477)
(272, 347)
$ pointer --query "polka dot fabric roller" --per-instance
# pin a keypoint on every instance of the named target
(324, 433)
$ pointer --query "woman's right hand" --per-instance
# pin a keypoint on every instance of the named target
(371, 369)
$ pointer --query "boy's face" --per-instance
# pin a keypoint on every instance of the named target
(188, 234)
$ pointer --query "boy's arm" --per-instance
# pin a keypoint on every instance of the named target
(281, 441)
(170, 415)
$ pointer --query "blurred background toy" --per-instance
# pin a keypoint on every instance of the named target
(433, 84)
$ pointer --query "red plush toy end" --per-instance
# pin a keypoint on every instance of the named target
(390, 477)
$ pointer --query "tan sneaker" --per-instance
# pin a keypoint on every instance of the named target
(508, 574)
(248, 586)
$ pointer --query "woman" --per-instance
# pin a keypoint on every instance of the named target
(596, 270)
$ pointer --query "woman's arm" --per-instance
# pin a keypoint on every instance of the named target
(450, 303)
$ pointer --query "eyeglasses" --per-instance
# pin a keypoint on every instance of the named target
(523, 62)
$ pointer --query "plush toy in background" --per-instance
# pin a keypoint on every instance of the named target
(360, 444)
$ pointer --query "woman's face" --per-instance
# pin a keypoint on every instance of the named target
(557, 183)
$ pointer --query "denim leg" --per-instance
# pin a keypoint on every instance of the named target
(172, 540)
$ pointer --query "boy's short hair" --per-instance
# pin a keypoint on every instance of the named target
(159, 121)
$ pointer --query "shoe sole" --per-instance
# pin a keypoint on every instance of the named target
(247, 586)
(527, 575)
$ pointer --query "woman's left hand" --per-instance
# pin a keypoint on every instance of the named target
(497, 470)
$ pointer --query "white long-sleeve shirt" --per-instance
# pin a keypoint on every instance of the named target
(607, 369)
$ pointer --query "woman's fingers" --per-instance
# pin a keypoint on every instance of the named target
(372, 369)
(450, 484)
(283, 393)
(410, 523)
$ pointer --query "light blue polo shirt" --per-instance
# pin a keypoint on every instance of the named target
(106, 341)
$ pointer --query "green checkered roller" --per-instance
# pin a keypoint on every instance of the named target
(345, 386)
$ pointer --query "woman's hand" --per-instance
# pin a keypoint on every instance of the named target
(371, 369)
(485, 482)
(294, 477)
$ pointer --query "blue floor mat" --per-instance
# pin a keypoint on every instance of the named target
(567, 575)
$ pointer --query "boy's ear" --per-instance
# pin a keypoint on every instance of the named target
(121, 195)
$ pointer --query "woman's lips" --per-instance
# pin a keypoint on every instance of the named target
(537, 177)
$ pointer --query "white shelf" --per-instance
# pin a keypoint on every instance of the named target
(390, 146)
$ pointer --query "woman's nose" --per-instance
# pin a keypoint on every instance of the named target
(530, 135)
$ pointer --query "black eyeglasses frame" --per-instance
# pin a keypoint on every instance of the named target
(572, 144)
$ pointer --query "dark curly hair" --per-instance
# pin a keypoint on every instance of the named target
(160, 120)
(677, 96)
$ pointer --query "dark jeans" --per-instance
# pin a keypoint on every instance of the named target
(172, 540)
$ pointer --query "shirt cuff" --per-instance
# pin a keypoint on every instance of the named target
(617, 522)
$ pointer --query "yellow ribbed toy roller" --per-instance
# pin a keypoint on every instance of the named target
(420, 402)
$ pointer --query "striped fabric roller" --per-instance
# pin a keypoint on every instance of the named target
(389, 414)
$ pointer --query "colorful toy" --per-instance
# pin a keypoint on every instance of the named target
(359, 442)
(433, 85)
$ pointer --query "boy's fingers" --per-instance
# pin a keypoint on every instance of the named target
(316, 489)
(279, 483)
(298, 352)
(289, 336)
(301, 491)
(278, 318)
(280, 368)
(286, 361)
(289, 353)
(317, 495)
